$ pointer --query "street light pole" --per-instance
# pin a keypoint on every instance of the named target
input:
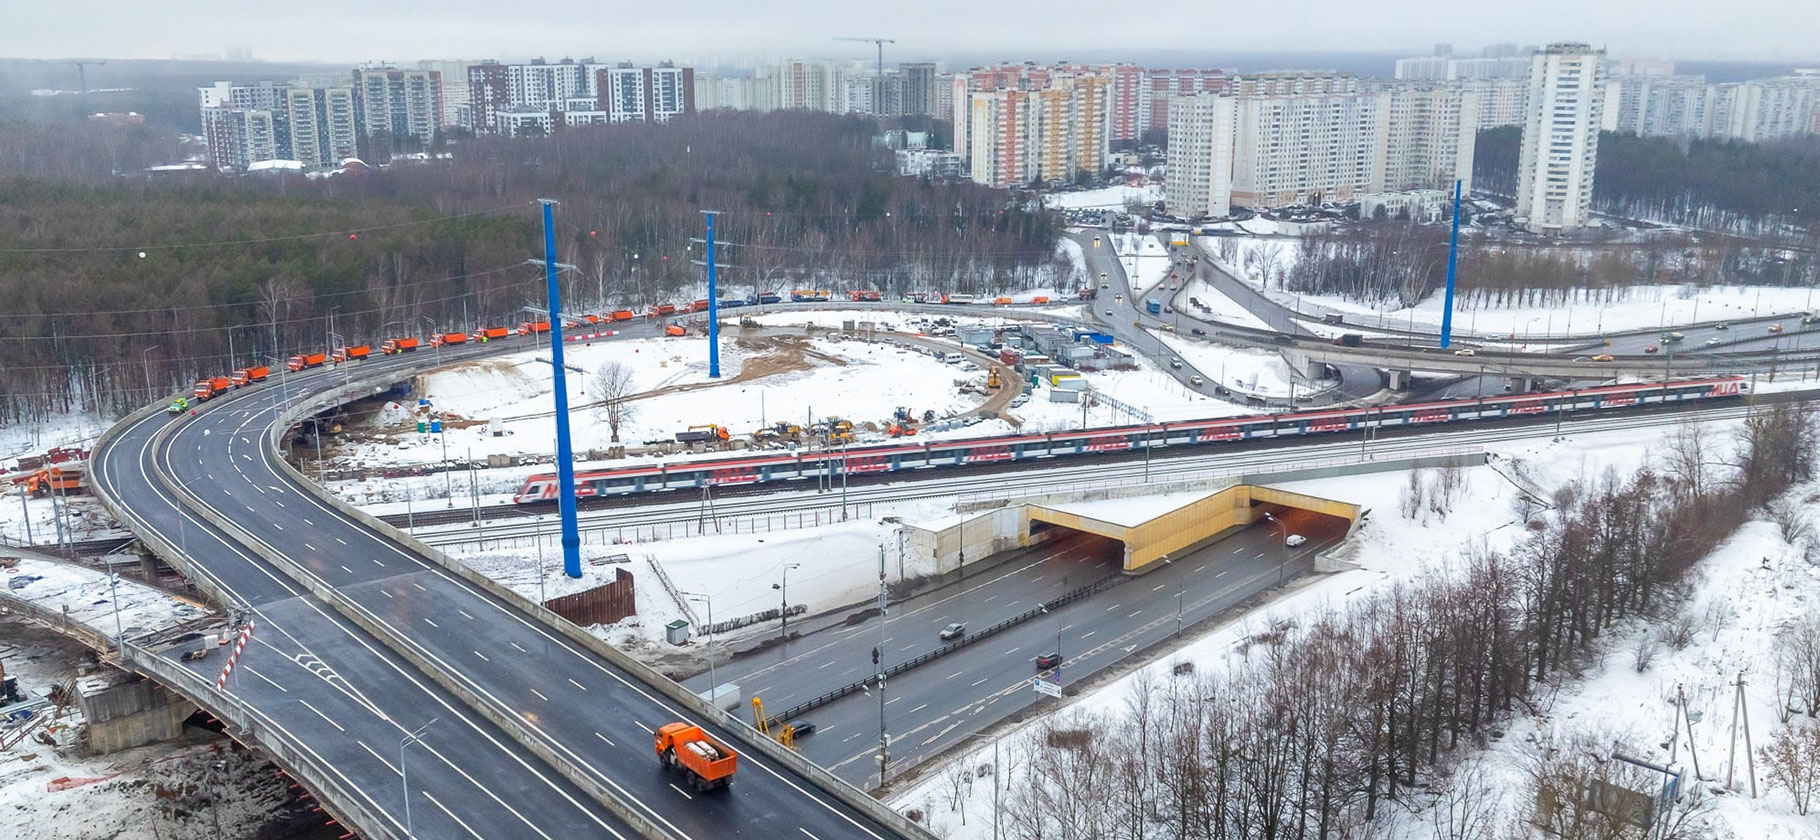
(784, 612)
(409, 738)
(714, 681)
(146, 362)
(1281, 564)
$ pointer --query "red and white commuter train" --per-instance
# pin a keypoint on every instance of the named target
(900, 456)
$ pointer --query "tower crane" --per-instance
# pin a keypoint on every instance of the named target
(82, 65)
(878, 80)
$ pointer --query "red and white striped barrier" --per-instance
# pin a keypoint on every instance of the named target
(245, 634)
(589, 336)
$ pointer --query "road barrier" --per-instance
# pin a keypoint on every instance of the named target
(1087, 591)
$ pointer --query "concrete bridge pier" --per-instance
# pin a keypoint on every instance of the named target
(1399, 379)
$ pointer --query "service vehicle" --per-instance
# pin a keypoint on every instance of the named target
(247, 376)
(305, 361)
(709, 764)
(394, 346)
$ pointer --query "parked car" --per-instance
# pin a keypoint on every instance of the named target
(1295, 540)
(1047, 661)
(953, 631)
(1198, 331)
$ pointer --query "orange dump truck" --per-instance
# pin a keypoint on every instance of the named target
(674, 329)
(247, 376)
(708, 763)
(211, 386)
(305, 361)
(1040, 299)
(624, 315)
(662, 310)
(394, 346)
(494, 333)
(351, 354)
(441, 339)
(533, 327)
(1001, 301)
(47, 480)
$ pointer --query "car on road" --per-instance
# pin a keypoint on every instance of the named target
(1108, 313)
(1282, 339)
(1096, 242)
(1651, 349)
(1464, 352)
(1196, 381)
(1604, 357)
(1118, 297)
(1582, 358)
(802, 727)
(953, 631)
(1294, 540)
(1047, 661)
(1175, 364)
(1712, 342)
(1775, 328)
(1198, 331)
(1722, 327)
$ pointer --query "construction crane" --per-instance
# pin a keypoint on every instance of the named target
(82, 71)
(878, 81)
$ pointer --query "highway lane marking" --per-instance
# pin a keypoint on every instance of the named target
(1239, 549)
(310, 547)
(331, 720)
(1135, 614)
(464, 614)
(975, 685)
(306, 521)
(1015, 649)
(278, 526)
(520, 650)
(933, 738)
(1159, 586)
(1012, 604)
(953, 675)
(806, 832)
(1088, 633)
(604, 738)
(893, 700)
(342, 541)
(644, 727)
(370, 751)
(243, 456)
(824, 665)
(540, 695)
(1113, 607)
(431, 623)
(680, 790)
(385, 593)
(249, 669)
(345, 568)
(908, 646)
(419, 586)
(377, 563)
(577, 685)
(1222, 573)
(469, 828)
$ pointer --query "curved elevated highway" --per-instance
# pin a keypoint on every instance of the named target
(359, 639)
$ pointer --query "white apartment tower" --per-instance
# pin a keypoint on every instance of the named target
(1560, 138)
(1201, 133)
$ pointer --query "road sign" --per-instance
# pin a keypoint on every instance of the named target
(1045, 687)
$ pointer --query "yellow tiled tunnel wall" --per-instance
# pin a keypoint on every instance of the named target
(1177, 529)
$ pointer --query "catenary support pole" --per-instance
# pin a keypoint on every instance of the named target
(713, 306)
(1453, 254)
(565, 457)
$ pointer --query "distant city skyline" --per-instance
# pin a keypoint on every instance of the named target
(407, 30)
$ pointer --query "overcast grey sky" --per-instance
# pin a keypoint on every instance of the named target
(401, 30)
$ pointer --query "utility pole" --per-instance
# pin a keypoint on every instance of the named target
(878, 661)
(565, 455)
(713, 305)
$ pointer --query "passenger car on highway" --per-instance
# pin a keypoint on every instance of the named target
(1047, 661)
(1294, 540)
(953, 631)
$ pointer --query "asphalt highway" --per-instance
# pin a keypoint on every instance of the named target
(579, 705)
(938, 704)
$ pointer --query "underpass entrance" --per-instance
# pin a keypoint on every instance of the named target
(1149, 528)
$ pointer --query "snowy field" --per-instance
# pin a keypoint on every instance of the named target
(1224, 309)
(1105, 198)
(1263, 262)
(860, 381)
(1146, 261)
(1246, 371)
(1148, 388)
(1747, 591)
(34, 438)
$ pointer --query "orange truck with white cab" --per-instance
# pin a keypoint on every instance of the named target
(709, 764)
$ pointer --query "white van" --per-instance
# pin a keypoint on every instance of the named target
(953, 358)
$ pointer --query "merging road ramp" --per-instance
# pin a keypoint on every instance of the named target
(533, 728)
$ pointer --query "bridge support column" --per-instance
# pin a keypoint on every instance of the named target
(1520, 384)
(1399, 379)
(132, 713)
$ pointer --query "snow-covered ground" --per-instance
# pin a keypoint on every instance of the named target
(1745, 593)
(1246, 371)
(35, 438)
(1105, 198)
(1224, 309)
(1263, 262)
(84, 595)
(857, 380)
(1147, 389)
(1145, 258)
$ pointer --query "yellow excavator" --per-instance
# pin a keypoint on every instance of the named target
(786, 732)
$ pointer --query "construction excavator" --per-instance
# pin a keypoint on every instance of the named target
(776, 730)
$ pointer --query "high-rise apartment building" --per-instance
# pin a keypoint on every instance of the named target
(1501, 61)
(1018, 123)
(454, 78)
(321, 126)
(1763, 109)
(1560, 138)
(1501, 101)
(1166, 84)
(754, 93)
(1655, 105)
(645, 94)
(918, 88)
(810, 86)
(1127, 103)
(1280, 139)
(399, 103)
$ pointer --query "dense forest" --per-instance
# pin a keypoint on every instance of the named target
(115, 288)
(1754, 188)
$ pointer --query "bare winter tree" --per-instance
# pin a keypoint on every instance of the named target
(1793, 761)
(613, 389)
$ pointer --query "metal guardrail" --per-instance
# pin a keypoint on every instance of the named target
(1077, 594)
(839, 788)
(296, 759)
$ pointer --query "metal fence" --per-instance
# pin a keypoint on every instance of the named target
(603, 604)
